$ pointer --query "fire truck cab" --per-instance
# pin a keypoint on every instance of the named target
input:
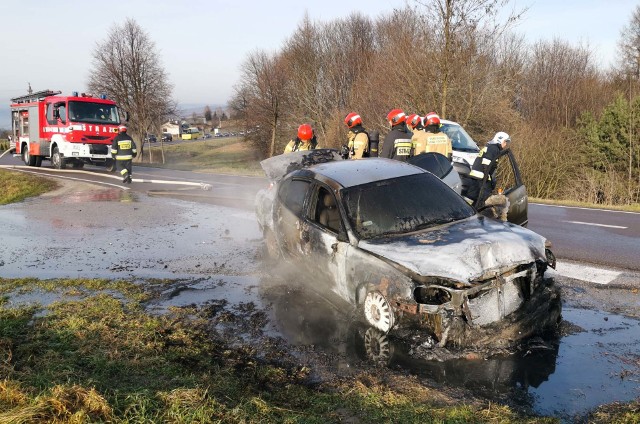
(67, 130)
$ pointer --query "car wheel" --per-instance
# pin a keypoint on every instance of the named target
(377, 346)
(111, 165)
(378, 312)
(27, 158)
(57, 160)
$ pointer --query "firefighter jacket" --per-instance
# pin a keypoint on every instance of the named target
(436, 142)
(397, 144)
(358, 142)
(123, 147)
(485, 164)
(418, 142)
(296, 145)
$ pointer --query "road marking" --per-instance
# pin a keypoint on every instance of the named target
(584, 209)
(585, 273)
(596, 225)
(72, 178)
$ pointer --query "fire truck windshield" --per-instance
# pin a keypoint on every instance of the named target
(93, 113)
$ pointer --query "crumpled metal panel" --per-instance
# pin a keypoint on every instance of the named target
(502, 299)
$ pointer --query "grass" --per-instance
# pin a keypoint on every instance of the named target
(102, 358)
(17, 186)
(218, 155)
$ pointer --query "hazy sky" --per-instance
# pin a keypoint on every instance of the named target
(202, 43)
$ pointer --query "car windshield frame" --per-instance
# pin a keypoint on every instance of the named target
(402, 205)
(460, 139)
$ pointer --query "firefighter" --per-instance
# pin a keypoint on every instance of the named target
(397, 144)
(358, 144)
(306, 140)
(482, 181)
(124, 150)
(433, 139)
(413, 121)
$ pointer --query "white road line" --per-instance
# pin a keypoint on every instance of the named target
(585, 273)
(584, 209)
(40, 174)
(596, 225)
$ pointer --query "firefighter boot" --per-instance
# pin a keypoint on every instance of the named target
(129, 179)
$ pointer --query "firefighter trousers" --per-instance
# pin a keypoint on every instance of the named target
(125, 169)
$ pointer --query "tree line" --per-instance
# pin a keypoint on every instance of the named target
(575, 126)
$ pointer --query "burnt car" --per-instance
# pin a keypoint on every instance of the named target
(398, 243)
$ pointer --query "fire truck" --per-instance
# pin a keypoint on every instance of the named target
(67, 130)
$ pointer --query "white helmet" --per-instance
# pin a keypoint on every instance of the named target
(500, 137)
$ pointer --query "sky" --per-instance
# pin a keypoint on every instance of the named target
(202, 43)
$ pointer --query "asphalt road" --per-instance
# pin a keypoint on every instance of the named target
(602, 237)
(597, 236)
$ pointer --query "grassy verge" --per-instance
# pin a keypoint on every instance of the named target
(99, 357)
(17, 186)
(628, 208)
(219, 155)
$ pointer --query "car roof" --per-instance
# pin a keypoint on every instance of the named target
(349, 173)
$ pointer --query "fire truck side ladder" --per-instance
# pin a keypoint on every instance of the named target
(34, 97)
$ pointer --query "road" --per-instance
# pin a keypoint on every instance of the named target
(597, 236)
(602, 237)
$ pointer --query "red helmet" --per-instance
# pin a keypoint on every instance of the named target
(305, 132)
(122, 128)
(413, 120)
(396, 116)
(432, 118)
(352, 120)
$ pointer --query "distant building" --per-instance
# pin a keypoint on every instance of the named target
(172, 128)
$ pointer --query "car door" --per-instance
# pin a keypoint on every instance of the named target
(510, 181)
(325, 240)
(289, 215)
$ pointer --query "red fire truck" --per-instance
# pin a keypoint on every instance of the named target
(68, 130)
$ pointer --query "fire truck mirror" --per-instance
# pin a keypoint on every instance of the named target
(126, 116)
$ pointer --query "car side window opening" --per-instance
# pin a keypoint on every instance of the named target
(327, 213)
(460, 139)
(504, 175)
(292, 194)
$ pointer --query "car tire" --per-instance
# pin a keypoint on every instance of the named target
(377, 346)
(28, 159)
(110, 165)
(57, 160)
(378, 312)
(38, 161)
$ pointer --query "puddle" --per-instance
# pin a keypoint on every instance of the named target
(230, 289)
(562, 378)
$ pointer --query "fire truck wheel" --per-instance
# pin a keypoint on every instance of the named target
(78, 164)
(27, 158)
(111, 165)
(57, 159)
(38, 161)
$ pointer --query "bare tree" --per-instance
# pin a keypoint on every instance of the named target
(261, 96)
(452, 21)
(127, 67)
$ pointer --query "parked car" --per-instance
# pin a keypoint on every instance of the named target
(151, 138)
(207, 135)
(167, 137)
(399, 244)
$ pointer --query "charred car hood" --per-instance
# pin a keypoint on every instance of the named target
(472, 249)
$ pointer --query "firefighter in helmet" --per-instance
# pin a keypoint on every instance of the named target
(306, 140)
(397, 144)
(433, 140)
(123, 149)
(358, 143)
(482, 181)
